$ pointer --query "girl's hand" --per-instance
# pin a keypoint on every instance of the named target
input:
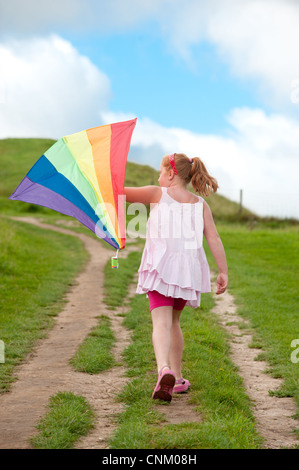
(222, 281)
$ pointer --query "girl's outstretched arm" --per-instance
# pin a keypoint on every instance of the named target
(144, 194)
(216, 247)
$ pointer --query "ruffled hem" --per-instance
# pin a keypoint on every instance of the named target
(151, 280)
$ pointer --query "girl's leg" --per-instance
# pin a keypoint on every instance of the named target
(162, 322)
(176, 344)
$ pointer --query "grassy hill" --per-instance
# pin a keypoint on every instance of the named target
(262, 269)
(18, 155)
(16, 158)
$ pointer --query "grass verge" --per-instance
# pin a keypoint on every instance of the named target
(264, 267)
(32, 286)
(94, 354)
(69, 418)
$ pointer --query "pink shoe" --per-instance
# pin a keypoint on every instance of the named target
(165, 384)
(181, 385)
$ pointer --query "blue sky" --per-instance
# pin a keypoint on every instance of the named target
(149, 81)
(218, 79)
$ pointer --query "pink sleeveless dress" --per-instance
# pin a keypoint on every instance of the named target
(173, 261)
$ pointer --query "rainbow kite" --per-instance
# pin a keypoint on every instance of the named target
(82, 175)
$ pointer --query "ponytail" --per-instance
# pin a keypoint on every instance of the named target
(201, 180)
(192, 170)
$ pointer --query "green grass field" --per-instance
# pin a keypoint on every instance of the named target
(263, 269)
(266, 291)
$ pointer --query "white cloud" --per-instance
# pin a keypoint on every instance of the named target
(273, 136)
(258, 39)
(49, 89)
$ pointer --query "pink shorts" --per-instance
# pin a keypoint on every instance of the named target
(159, 300)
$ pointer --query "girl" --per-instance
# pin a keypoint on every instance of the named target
(174, 269)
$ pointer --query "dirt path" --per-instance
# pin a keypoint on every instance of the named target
(47, 369)
(273, 414)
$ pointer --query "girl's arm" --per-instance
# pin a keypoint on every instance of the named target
(144, 194)
(216, 247)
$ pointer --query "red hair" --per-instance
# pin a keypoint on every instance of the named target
(193, 171)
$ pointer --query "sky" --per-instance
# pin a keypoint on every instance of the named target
(215, 79)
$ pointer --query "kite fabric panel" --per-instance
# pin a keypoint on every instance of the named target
(82, 175)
